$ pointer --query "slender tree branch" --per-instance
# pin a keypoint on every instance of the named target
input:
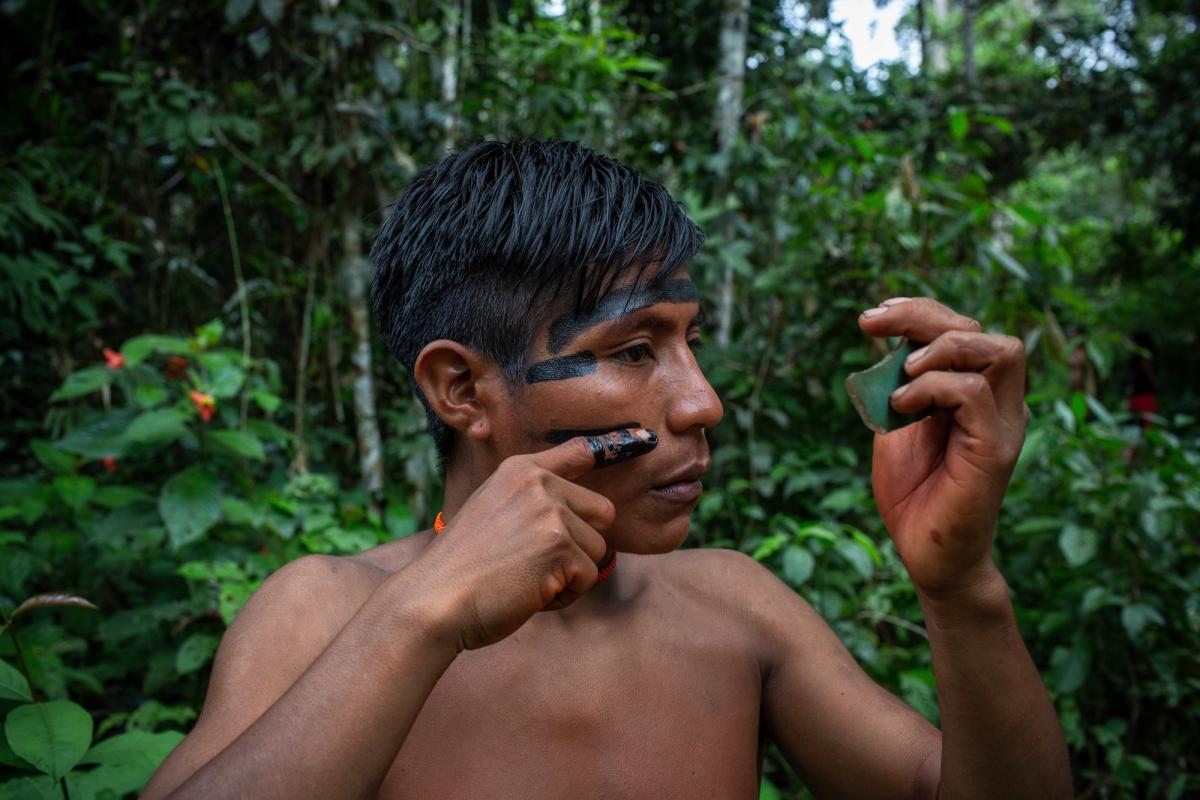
(243, 302)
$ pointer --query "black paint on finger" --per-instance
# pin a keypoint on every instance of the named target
(560, 435)
(613, 448)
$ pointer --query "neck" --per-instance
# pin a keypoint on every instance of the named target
(462, 479)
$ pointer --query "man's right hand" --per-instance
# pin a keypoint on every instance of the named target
(527, 540)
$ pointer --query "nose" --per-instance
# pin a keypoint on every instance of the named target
(693, 401)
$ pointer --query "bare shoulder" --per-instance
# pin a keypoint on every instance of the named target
(296, 613)
(731, 584)
(305, 603)
(277, 635)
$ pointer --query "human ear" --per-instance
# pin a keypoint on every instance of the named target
(458, 383)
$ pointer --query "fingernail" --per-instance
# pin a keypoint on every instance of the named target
(893, 301)
(613, 448)
(873, 312)
(900, 391)
(916, 355)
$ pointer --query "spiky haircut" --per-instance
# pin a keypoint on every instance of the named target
(484, 244)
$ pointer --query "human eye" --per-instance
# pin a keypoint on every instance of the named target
(635, 354)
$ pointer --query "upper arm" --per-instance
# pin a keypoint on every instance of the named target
(279, 633)
(845, 735)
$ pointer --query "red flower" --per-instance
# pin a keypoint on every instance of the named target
(115, 360)
(110, 463)
(205, 404)
(176, 367)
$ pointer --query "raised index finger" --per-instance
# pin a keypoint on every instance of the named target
(920, 319)
(576, 457)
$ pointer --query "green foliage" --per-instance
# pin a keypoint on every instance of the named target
(165, 478)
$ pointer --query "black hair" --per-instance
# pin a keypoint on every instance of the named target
(482, 245)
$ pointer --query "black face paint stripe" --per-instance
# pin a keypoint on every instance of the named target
(560, 435)
(565, 329)
(559, 369)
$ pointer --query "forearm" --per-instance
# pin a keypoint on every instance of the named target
(1000, 735)
(337, 730)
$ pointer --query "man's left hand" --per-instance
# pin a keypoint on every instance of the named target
(939, 482)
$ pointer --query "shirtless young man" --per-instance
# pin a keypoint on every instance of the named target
(537, 289)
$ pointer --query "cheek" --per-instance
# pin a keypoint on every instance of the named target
(593, 403)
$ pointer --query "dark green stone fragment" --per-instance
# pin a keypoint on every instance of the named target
(871, 390)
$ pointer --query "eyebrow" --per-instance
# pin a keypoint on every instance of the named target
(615, 305)
(650, 321)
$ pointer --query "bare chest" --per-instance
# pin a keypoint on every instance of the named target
(665, 708)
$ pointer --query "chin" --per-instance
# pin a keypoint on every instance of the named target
(648, 535)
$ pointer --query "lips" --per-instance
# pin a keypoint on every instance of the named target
(692, 472)
(683, 486)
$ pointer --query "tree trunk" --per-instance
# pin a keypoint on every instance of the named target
(354, 282)
(939, 59)
(731, 76)
(968, 40)
(449, 78)
(922, 38)
(315, 254)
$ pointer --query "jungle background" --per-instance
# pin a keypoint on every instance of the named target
(193, 392)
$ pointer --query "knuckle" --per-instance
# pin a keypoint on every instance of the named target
(1014, 348)
(606, 511)
(975, 384)
(557, 536)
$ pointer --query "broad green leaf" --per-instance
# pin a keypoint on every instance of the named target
(195, 652)
(118, 496)
(272, 10)
(101, 435)
(1094, 598)
(1029, 214)
(999, 123)
(859, 558)
(959, 124)
(1137, 616)
(798, 565)
(190, 504)
(1078, 544)
(52, 736)
(243, 443)
(43, 787)
(149, 395)
(52, 457)
(75, 490)
(1069, 668)
(137, 349)
(159, 425)
(85, 381)
(13, 685)
(770, 546)
(266, 401)
(236, 10)
(141, 749)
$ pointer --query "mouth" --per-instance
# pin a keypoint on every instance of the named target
(684, 485)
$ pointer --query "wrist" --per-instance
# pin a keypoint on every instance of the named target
(427, 619)
(982, 598)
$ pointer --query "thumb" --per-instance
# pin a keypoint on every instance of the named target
(576, 457)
